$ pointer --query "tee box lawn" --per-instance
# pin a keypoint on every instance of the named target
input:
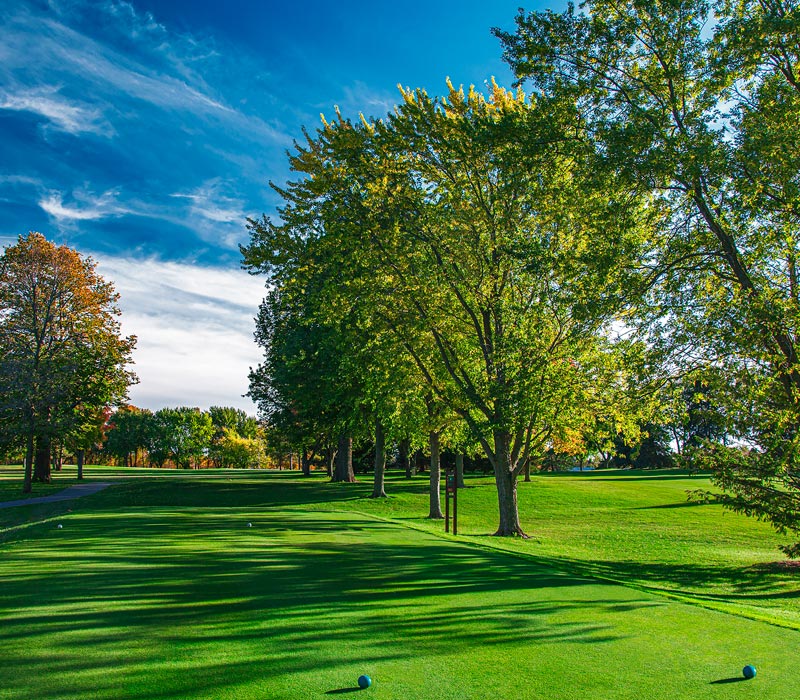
(263, 585)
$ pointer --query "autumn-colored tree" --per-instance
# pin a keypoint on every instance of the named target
(62, 359)
(237, 440)
(232, 450)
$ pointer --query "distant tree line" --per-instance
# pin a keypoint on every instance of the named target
(185, 437)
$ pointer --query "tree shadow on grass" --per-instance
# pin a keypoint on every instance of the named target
(190, 588)
(626, 475)
(769, 586)
(670, 506)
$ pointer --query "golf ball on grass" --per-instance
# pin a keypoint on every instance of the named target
(249, 524)
(749, 671)
(59, 526)
(364, 682)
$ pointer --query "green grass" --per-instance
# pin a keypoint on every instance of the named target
(156, 588)
(11, 484)
(636, 528)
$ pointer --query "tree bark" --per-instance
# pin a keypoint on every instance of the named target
(527, 469)
(460, 471)
(79, 455)
(27, 483)
(330, 456)
(344, 461)
(305, 463)
(41, 467)
(435, 480)
(506, 481)
(405, 460)
(380, 461)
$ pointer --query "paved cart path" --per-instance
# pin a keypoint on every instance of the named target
(66, 495)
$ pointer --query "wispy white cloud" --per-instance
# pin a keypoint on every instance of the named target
(209, 202)
(86, 208)
(7, 239)
(214, 214)
(359, 97)
(62, 113)
(211, 216)
(170, 107)
(20, 180)
(167, 71)
(194, 326)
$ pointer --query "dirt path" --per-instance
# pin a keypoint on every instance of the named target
(66, 495)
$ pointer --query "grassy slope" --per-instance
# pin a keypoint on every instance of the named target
(637, 528)
(158, 589)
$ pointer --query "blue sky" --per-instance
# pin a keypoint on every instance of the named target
(144, 133)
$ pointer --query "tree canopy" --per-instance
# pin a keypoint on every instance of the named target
(62, 359)
(696, 106)
(439, 239)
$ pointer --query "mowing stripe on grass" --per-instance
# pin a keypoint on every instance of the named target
(188, 602)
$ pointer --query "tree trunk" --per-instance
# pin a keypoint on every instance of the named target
(460, 471)
(291, 461)
(305, 463)
(380, 461)
(344, 461)
(41, 468)
(79, 455)
(435, 481)
(330, 456)
(506, 482)
(527, 469)
(405, 461)
(27, 483)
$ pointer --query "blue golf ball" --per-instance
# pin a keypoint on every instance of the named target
(749, 671)
(364, 682)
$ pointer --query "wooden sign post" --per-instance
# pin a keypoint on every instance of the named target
(451, 490)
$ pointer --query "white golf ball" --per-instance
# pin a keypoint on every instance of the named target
(60, 526)
(249, 524)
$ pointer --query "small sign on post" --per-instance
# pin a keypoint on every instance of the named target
(450, 491)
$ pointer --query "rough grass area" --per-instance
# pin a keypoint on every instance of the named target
(157, 588)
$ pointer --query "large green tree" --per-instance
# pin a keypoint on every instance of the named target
(696, 106)
(62, 359)
(181, 434)
(510, 272)
(129, 434)
(459, 229)
(306, 386)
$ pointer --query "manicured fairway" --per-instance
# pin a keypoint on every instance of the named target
(158, 589)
